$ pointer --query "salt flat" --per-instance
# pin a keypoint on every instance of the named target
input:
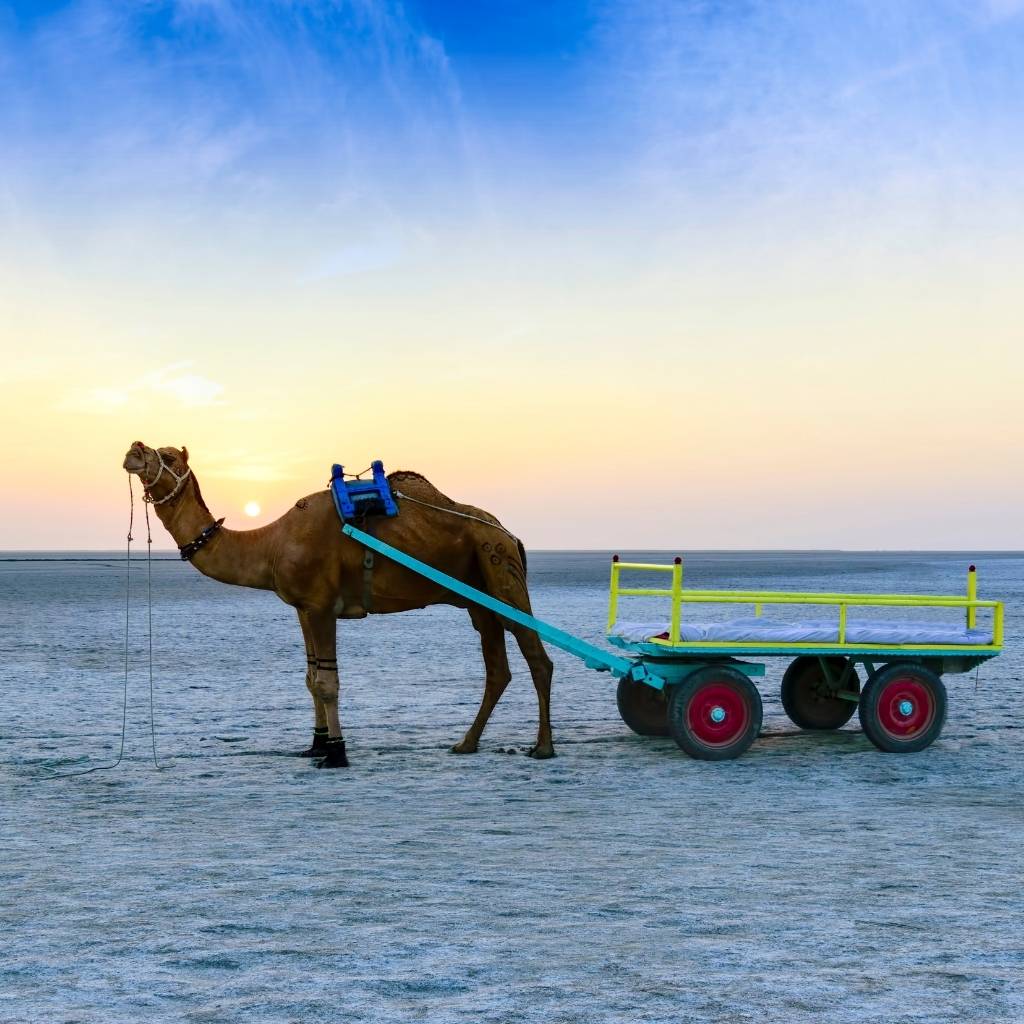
(815, 879)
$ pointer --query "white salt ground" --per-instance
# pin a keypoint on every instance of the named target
(813, 880)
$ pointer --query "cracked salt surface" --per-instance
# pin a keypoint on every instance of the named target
(815, 879)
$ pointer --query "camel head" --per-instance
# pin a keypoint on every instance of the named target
(162, 471)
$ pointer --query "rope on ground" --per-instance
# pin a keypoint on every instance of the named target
(51, 773)
(48, 768)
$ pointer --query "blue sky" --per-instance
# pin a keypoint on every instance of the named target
(639, 104)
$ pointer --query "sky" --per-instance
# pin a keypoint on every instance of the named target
(677, 275)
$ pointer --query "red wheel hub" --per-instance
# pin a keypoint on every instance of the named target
(717, 714)
(906, 707)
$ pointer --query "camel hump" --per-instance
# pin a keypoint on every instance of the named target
(415, 483)
(418, 488)
(406, 483)
(492, 543)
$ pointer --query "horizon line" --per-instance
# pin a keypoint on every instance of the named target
(49, 554)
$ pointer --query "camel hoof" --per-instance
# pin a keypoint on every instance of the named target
(335, 755)
(540, 753)
(463, 747)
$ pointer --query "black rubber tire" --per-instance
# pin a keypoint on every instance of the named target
(642, 708)
(805, 693)
(691, 698)
(880, 708)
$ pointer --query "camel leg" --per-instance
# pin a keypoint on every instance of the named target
(323, 632)
(492, 642)
(540, 669)
(318, 748)
(504, 573)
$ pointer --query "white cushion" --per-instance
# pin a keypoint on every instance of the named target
(758, 629)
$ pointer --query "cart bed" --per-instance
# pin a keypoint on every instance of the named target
(759, 630)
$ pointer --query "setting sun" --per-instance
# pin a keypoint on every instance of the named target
(252, 508)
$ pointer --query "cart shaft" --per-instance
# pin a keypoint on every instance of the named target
(593, 657)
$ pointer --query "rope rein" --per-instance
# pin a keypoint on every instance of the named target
(149, 602)
(454, 512)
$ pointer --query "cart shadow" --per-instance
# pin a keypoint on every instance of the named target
(838, 741)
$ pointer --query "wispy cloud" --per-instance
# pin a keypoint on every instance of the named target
(250, 120)
(258, 467)
(1000, 10)
(170, 382)
(862, 113)
(376, 253)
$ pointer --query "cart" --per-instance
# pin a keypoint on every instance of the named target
(692, 681)
(713, 711)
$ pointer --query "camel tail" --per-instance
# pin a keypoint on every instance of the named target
(522, 553)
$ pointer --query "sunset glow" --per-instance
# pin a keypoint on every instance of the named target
(643, 275)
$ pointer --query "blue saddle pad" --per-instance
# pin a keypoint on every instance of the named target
(355, 499)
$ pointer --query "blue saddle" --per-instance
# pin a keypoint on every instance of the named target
(355, 499)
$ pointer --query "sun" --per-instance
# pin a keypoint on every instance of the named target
(252, 508)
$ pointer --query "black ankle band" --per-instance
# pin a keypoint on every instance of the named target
(317, 731)
(336, 739)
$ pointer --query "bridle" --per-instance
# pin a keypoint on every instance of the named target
(179, 481)
(188, 551)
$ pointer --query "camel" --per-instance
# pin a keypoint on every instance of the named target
(306, 560)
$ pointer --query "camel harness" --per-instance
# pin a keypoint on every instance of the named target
(179, 481)
(356, 499)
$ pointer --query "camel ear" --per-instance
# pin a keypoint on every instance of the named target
(184, 454)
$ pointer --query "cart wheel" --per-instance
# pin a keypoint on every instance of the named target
(810, 700)
(715, 713)
(643, 708)
(903, 708)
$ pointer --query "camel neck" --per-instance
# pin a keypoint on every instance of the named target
(240, 557)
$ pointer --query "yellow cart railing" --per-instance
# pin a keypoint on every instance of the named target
(758, 598)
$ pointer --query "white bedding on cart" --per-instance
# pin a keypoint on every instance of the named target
(757, 629)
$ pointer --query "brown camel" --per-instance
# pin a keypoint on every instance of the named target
(306, 560)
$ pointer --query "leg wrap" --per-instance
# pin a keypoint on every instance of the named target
(335, 755)
(319, 746)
